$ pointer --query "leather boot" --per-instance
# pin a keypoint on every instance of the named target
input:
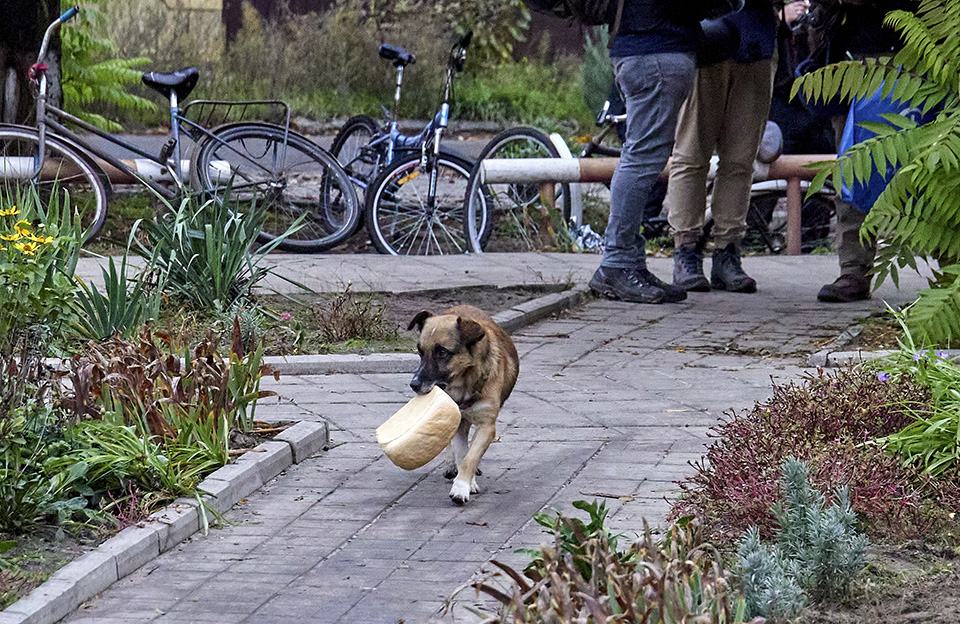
(727, 273)
(688, 268)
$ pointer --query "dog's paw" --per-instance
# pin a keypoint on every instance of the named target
(460, 492)
(450, 472)
(473, 486)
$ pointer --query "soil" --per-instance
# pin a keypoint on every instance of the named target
(879, 331)
(906, 584)
(35, 557)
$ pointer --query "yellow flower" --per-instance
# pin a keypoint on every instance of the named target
(27, 248)
(21, 228)
(10, 237)
(39, 238)
(9, 212)
(2, 248)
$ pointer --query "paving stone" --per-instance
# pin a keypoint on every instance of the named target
(305, 439)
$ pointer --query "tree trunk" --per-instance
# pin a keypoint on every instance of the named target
(22, 24)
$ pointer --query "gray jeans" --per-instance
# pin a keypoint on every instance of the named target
(654, 87)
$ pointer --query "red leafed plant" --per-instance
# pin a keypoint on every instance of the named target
(144, 379)
(829, 421)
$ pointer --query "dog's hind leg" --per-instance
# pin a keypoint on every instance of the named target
(458, 449)
(466, 482)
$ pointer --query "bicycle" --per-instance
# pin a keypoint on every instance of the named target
(511, 203)
(519, 213)
(55, 160)
(407, 212)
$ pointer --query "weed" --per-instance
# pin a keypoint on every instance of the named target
(351, 316)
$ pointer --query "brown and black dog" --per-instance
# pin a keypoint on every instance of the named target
(465, 353)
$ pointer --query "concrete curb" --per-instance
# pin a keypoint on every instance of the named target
(131, 548)
(510, 320)
(837, 359)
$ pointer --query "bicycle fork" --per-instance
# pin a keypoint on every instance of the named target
(434, 166)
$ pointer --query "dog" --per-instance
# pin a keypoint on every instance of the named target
(466, 354)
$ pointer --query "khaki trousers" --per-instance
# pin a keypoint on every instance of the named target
(855, 258)
(727, 112)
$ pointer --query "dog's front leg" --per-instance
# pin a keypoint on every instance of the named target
(458, 449)
(466, 481)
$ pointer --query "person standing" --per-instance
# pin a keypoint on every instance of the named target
(653, 57)
(854, 30)
(727, 112)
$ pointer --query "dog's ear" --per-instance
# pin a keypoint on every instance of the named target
(419, 320)
(471, 332)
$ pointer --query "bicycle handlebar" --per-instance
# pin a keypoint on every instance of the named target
(69, 14)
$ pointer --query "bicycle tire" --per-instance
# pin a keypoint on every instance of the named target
(66, 171)
(397, 217)
(507, 205)
(258, 162)
(348, 148)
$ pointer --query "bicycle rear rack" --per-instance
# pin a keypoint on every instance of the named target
(210, 114)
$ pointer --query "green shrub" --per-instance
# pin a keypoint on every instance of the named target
(931, 441)
(203, 253)
(91, 73)
(818, 550)
(122, 308)
(768, 589)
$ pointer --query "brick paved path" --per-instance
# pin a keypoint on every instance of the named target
(613, 401)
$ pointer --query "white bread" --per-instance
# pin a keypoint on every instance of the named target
(420, 430)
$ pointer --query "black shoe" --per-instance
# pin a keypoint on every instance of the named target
(727, 274)
(671, 293)
(688, 268)
(845, 289)
(626, 285)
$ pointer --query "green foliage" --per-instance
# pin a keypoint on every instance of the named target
(822, 541)
(120, 309)
(919, 211)
(28, 437)
(931, 442)
(818, 550)
(526, 91)
(86, 78)
(572, 535)
(203, 252)
(496, 24)
(597, 69)
(667, 577)
(39, 245)
(768, 589)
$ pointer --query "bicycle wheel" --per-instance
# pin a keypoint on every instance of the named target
(294, 177)
(516, 215)
(352, 148)
(66, 172)
(399, 217)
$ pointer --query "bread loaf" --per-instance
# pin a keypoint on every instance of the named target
(420, 429)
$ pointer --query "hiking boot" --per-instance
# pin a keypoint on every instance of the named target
(671, 293)
(727, 274)
(688, 268)
(626, 285)
(845, 289)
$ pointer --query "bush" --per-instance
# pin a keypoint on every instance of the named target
(930, 442)
(827, 421)
(203, 253)
(349, 316)
(818, 550)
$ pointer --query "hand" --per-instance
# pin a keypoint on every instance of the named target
(795, 10)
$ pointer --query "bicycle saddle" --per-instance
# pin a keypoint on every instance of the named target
(398, 55)
(180, 82)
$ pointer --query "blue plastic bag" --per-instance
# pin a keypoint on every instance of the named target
(863, 196)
